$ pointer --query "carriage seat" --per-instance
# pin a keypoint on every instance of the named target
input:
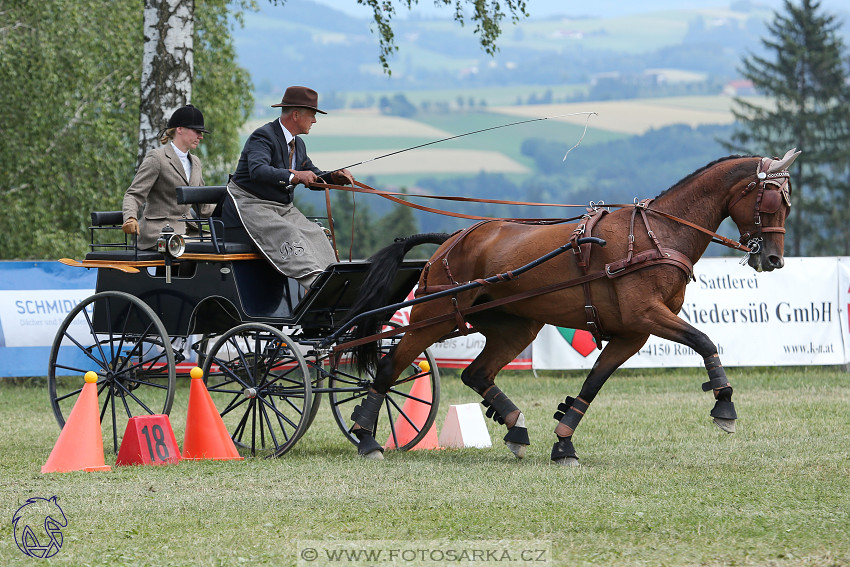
(115, 251)
(213, 242)
(216, 242)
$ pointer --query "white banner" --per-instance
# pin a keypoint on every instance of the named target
(793, 316)
(799, 315)
(844, 302)
(31, 317)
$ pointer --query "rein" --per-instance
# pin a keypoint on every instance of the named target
(392, 196)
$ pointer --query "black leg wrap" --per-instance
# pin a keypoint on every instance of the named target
(563, 448)
(365, 414)
(367, 443)
(716, 375)
(724, 410)
(517, 434)
(563, 408)
(724, 407)
(573, 413)
(498, 404)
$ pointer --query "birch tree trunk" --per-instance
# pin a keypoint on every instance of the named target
(167, 66)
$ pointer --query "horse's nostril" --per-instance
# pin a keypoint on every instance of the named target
(776, 261)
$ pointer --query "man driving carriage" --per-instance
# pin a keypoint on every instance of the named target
(258, 208)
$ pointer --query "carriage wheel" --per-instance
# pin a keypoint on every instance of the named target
(397, 418)
(120, 338)
(260, 383)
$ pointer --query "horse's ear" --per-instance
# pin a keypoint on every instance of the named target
(785, 162)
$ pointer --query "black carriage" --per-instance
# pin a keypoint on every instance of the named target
(260, 340)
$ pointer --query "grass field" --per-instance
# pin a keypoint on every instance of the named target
(659, 485)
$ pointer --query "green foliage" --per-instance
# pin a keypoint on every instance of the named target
(807, 76)
(398, 223)
(487, 16)
(71, 70)
(371, 230)
(70, 120)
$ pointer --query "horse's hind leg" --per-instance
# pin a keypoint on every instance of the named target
(365, 415)
(503, 345)
(572, 410)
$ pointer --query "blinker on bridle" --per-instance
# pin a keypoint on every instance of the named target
(772, 189)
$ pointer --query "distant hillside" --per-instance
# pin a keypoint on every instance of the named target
(306, 43)
(352, 137)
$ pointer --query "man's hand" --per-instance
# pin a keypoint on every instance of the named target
(303, 177)
(130, 226)
(342, 177)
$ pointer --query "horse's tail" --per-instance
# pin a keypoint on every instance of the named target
(374, 290)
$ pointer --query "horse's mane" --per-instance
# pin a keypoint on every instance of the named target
(688, 177)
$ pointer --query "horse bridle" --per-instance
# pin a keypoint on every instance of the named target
(771, 190)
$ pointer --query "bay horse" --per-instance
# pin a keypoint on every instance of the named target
(623, 292)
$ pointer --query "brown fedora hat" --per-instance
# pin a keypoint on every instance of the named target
(302, 97)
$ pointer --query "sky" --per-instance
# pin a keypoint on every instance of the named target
(547, 8)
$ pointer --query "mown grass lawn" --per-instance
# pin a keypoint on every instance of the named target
(659, 485)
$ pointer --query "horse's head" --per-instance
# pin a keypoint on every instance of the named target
(760, 210)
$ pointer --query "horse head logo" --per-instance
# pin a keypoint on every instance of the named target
(38, 527)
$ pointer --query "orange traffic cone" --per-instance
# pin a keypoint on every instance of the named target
(80, 444)
(418, 413)
(206, 435)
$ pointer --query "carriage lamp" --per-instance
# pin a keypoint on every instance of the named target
(170, 245)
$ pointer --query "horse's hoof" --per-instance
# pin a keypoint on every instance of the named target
(517, 449)
(567, 462)
(368, 448)
(727, 425)
(374, 456)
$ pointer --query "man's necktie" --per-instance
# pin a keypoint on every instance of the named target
(292, 153)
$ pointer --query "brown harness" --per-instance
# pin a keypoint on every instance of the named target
(656, 255)
(772, 189)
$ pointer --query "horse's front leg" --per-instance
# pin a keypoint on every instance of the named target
(671, 327)
(572, 410)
